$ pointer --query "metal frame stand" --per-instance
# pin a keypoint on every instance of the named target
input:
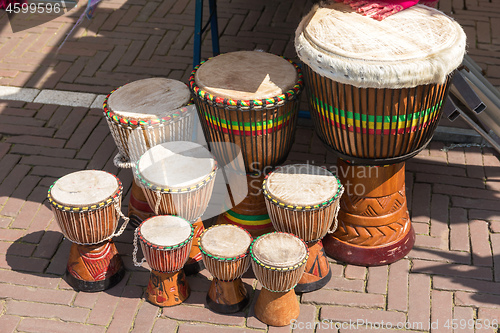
(198, 30)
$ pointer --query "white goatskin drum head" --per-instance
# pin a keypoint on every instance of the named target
(246, 75)
(176, 164)
(225, 241)
(302, 185)
(84, 188)
(279, 250)
(149, 98)
(417, 46)
(165, 230)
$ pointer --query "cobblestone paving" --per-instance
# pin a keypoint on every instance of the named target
(451, 276)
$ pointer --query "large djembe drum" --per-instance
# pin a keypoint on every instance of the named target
(86, 205)
(166, 243)
(140, 115)
(177, 178)
(303, 199)
(278, 261)
(249, 99)
(375, 90)
(224, 248)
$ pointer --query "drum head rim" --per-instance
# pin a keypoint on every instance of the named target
(247, 104)
(155, 187)
(277, 202)
(241, 256)
(161, 247)
(122, 121)
(89, 208)
(280, 269)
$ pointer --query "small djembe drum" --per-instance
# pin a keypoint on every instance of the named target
(375, 90)
(224, 248)
(303, 199)
(166, 243)
(278, 261)
(177, 178)
(249, 99)
(86, 205)
(140, 115)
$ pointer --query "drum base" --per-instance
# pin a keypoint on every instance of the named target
(251, 213)
(167, 289)
(369, 255)
(374, 226)
(94, 267)
(317, 272)
(195, 262)
(277, 308)
(94, 286)
(138, 207)
(227, 296)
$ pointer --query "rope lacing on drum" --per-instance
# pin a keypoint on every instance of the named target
(158, 200)
(116, 205)
(122, 162)
(134, 253)
(336, 214)
(126, 219)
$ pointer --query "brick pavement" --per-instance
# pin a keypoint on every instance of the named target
(453, 273)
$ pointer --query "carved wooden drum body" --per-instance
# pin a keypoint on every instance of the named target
(249, 99)
(224, 248)
(375, 90)
(166, 243)
(86, 205)
(142, 114)
(303, 199)
(278, 261)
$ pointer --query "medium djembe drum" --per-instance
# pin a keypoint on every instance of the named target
(224, 248)
(166, 243)
(278, 261)
(249, 99)
(86, 205)
(375, 90)
(177, 178)
(140, 115)
(303, 199)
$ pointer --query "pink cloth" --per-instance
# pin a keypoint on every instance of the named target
(380, 9)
